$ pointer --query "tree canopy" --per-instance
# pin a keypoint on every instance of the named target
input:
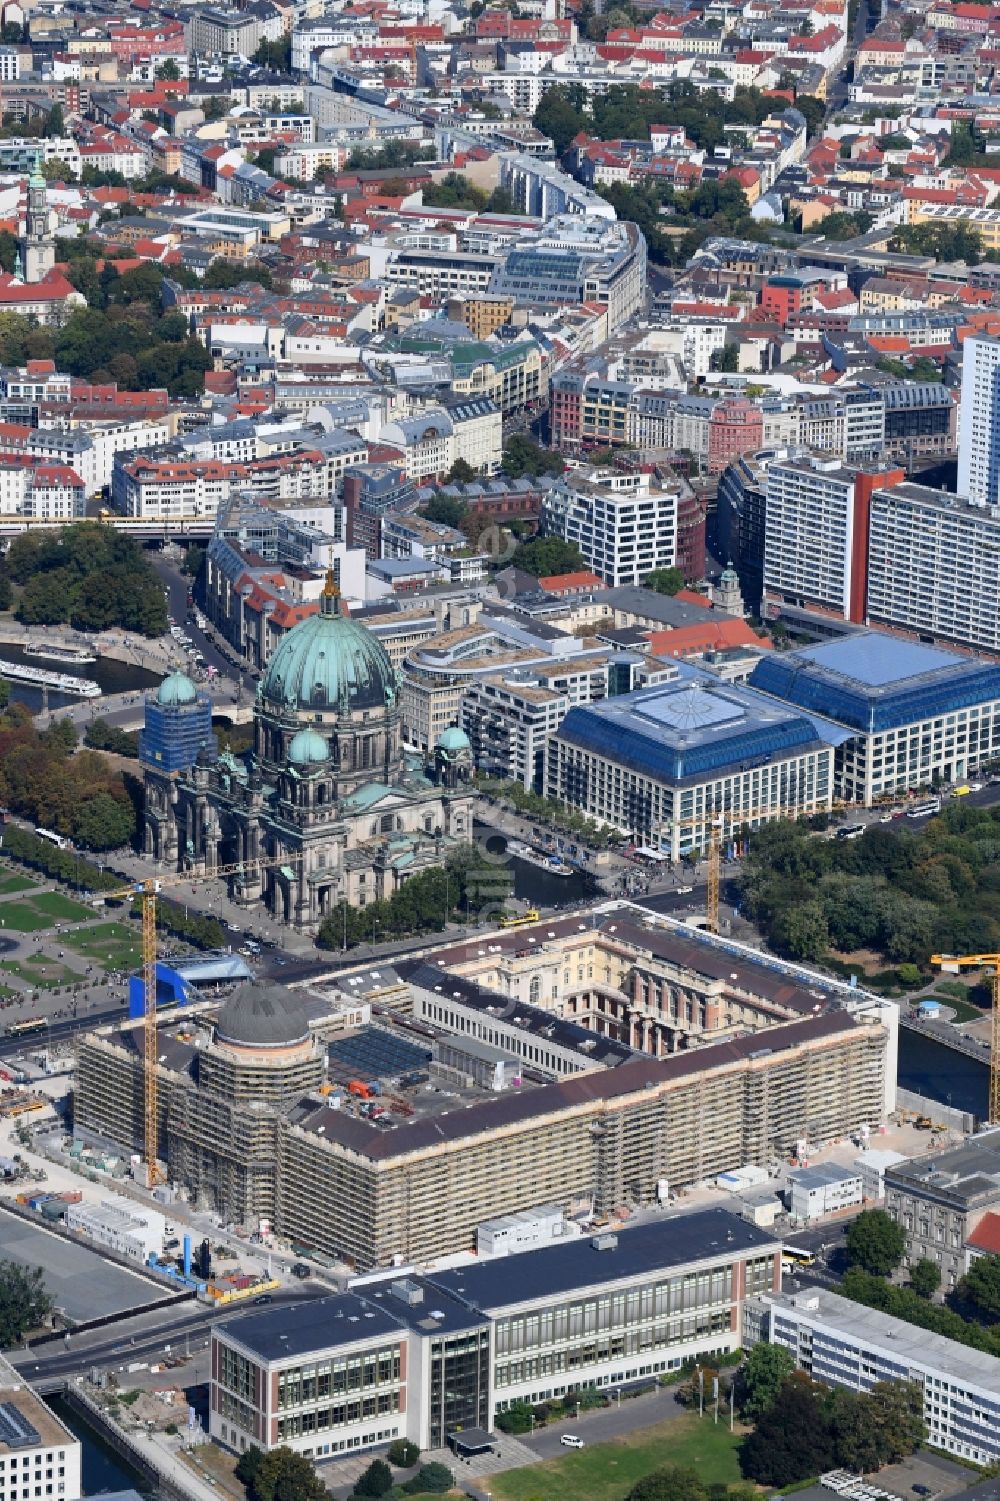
(905, 894)
(77, 795)
(123, 334)
(875, 1242)
(283, 1475)
(981, 1286)
(521, 455)
(792, 1439)
(25, 1303)
(808, 1428)
(545, 556)
(665, 580)
(467, 883)
(670, 1483)
(89, 575)
(925, 1278)
(767, 1369)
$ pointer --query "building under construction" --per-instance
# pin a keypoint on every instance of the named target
(249, 1126)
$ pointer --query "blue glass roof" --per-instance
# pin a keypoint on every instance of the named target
(872, 681)
(690, 729)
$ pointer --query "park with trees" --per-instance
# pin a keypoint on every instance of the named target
(79, 795)
(88, 576)
(25, 1303)
(467, 887)
(124, 334)
(896, 893)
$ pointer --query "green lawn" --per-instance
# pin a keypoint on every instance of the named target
(605, 1472)
(964, 1010)
(39, 971)
(113, 944)
(11, 882)
(22, 917)
(33, 914)
(61, 908)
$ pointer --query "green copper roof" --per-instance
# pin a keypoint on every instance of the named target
(329, 662)
(454, 739)
(177, 689)
(308, 747)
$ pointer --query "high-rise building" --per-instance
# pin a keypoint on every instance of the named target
(979, 422)
(816, 536)
(934, 566)
(624, 527)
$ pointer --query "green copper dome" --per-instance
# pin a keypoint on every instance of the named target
(453, 740)
(177, 689)
(308, 747)
(329, 662)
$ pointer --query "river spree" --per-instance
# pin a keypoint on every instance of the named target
(113, 676)
(942, 1074)
(532, 884)
(103, 1470)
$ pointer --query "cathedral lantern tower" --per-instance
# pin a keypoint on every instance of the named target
(38, 251)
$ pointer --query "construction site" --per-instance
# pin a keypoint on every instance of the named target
(600, 1064)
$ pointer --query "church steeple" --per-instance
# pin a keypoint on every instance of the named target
(37, 248)
(329, 600)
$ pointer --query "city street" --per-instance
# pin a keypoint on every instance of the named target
(600, 1424)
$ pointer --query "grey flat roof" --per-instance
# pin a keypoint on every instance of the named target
(574, 1265)
(670, 612)
(316, 1324)
(966, 1172)
(878, 660)
(82, 1283)
(822, 1175)
(901, 1341)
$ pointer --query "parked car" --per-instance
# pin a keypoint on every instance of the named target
(570, 1441)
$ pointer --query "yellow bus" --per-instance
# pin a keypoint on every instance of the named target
(522, 921)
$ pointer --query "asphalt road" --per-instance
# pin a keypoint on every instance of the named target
(140, 1338)
(604, 1423)
(176, 584)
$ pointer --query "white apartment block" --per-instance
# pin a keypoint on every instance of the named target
(306, 162)
(623, 528)
(841, 1343)
(170, 491)
(52, 492)
(934, 566)
(979, 422)
(510, 724)
(39, 1456)
(809, 534)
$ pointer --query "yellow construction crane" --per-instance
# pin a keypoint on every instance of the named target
(953, 963)
(146, 892)
(716, 821)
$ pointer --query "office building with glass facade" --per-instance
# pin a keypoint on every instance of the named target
(426, 1357)
(910, 715)
(662, 764)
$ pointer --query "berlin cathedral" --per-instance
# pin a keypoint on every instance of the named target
(327, 806)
